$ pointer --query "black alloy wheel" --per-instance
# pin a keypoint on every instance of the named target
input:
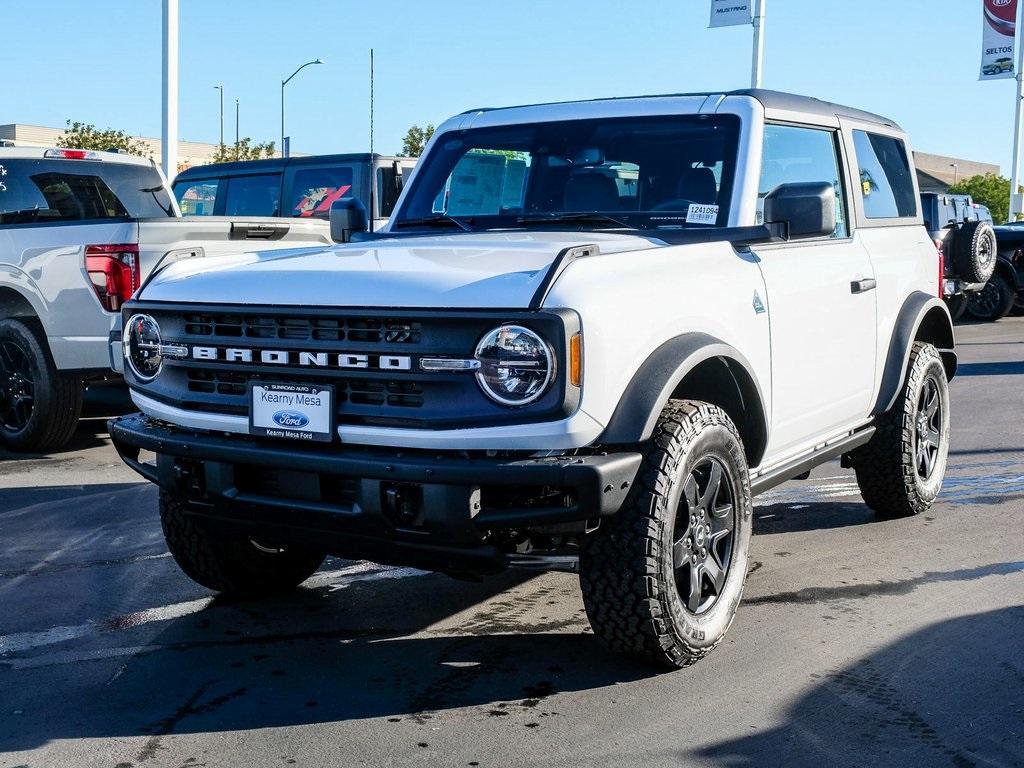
(703, 536)
(17, 386)
(928, 428)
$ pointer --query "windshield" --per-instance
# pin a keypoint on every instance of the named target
(41, 191)
(638, 172)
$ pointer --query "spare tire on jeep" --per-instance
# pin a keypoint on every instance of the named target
(974, 251)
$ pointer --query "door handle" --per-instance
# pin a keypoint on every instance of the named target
(863, 285)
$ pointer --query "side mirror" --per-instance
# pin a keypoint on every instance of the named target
(348, 216)
(804, 209)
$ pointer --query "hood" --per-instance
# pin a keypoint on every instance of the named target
(465, 271)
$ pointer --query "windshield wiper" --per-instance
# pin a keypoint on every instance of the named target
(583, 217)
(440, 220)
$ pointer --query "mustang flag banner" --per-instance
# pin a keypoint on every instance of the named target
(997, 50)
(727, 13)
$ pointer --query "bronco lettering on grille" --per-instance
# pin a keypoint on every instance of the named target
(301, 358)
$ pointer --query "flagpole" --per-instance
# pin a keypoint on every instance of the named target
(758, 57)
(1015, 200)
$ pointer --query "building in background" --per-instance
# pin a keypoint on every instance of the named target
(189, 152)
(937, 173)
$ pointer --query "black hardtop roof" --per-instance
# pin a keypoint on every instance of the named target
(768, 98)
(273, 164)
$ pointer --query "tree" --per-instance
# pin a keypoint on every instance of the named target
(990, 190)
(416, 139)
(243, 150)
(87, 136)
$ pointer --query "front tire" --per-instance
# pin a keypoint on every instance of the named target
(900, 470)
(39, 406)
(663, 577)
(228, 562)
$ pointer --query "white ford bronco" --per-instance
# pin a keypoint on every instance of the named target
(589, 335)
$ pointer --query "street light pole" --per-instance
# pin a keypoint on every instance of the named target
(169, 126)
(1018, 89)
(955, 168)
(221, 89)
(283, 84)
(757, 65)
(236, 129)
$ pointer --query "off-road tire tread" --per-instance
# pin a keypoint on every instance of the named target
(621, 595)
(228, 566)
(965, 246)
(57, 422)
(885, 465)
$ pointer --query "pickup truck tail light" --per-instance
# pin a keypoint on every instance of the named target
(114, 272)
(942, 267)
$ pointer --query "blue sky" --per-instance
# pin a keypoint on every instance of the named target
(99, 62)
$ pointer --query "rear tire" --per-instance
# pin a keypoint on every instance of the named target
(39, 406)
(974, 251)
(663, 577)
(900, 470)
(994, 301)
(230, 563)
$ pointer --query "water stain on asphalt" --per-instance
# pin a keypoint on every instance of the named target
(885, 588)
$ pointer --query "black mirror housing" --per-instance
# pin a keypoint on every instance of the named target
(348, 216)
(805, 209)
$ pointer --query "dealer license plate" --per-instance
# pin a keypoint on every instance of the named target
(292, 411)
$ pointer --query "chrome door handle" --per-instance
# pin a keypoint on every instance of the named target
(863, 286)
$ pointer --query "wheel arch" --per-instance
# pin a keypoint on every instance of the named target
(922, 317)
(694, 366)
(13, 303)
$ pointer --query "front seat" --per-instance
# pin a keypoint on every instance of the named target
(698, 185)
(591, 192)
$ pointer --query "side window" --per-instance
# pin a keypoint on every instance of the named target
(314, 190)
(793, 154)
(254, 195)
(886, 185)
(197, 198)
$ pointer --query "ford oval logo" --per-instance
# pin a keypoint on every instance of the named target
(290, 419)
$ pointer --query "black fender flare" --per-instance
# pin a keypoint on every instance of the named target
(922, 315)
(662, 372)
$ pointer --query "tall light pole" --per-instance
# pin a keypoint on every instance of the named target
(221, 89)
(1018, 108)
(955, 168)
(236, 129)
(283, 84)
(757, 65)
(169, 123)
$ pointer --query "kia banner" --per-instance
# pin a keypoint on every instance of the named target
(726, 13)
(997, 52)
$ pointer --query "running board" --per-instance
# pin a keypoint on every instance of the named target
(807, 462)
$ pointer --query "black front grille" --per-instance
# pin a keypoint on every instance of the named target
(400, 396)
(361, 330)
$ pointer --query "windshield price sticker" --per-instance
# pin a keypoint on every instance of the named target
(701, 214)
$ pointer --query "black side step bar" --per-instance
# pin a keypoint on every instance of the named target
(807, 462)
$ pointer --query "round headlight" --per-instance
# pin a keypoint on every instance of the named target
(142, 346)
(516, 365)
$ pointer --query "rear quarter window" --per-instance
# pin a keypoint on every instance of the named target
(886, 184)
(49, 191)
(197, 198)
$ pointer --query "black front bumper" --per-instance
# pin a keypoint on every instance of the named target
(437, 509)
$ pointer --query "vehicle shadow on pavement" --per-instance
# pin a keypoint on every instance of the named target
(949, 695)
(401, 649)
(809, 516)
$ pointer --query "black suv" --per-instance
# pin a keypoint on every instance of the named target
(962, 231)
(293, 186)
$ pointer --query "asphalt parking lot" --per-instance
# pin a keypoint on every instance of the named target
(859, 642)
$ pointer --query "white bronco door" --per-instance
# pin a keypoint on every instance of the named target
(821, 304)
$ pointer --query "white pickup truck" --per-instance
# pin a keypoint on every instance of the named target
(79, 233)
